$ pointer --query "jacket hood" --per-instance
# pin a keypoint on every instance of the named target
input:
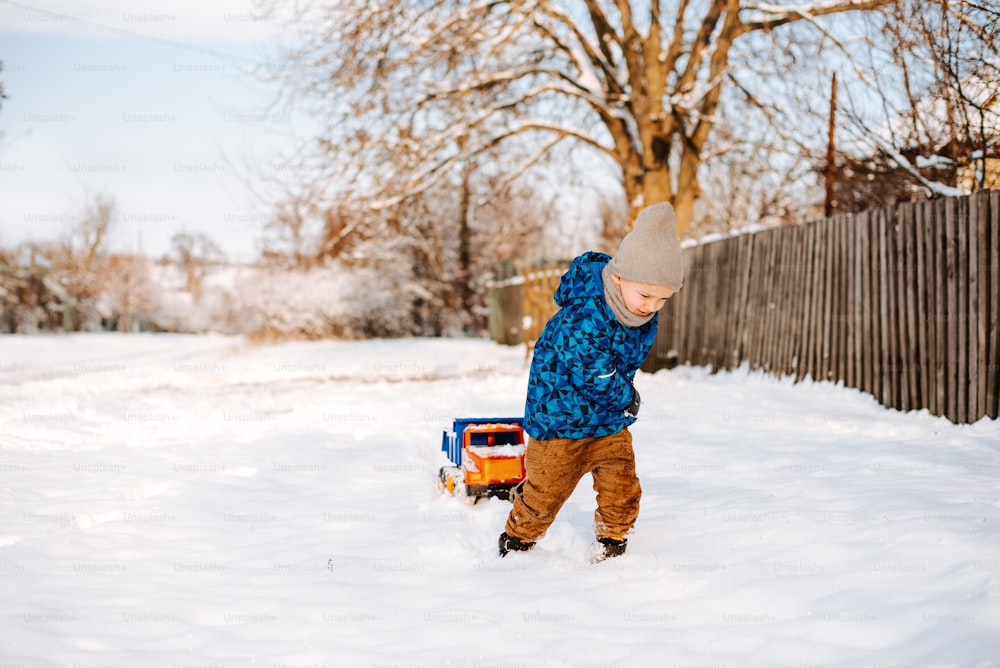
(583, 278)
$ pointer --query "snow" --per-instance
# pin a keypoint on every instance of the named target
(171, 500)
(489, 452)
(933, 162)
(935, 187)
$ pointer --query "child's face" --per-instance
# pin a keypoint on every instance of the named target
(642, 299)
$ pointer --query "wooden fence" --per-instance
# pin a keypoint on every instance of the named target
(902, 303)
(522, 303)
(505, 298)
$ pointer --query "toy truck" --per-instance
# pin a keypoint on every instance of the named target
(487, 457)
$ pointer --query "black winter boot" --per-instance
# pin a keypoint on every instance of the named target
(608, 547)
(513, 544)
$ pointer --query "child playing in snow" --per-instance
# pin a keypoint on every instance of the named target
(580, 398)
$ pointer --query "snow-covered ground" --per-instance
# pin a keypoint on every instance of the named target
(198, 501)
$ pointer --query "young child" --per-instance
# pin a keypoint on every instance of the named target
(580, 398)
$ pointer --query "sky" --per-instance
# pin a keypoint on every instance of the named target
(152, 104)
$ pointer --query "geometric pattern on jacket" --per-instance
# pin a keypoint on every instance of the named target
(585, 360)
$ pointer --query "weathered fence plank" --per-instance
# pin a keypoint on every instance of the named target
(977, 342)
(853, 311)
(769, 306)
(878, 300)
(734, 309)
(794, 335)
(924, 342)
(939, 270)
(865, 250)
(930, 273)
(724, 272)
(841, 287)
(897, 314)
(992, 363)
(908, 289)
(961, 372)
(951, 311)
(890, 319)
(739, 254)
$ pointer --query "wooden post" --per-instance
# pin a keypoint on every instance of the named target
(830, 152)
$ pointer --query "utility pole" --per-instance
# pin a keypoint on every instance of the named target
(828, 204)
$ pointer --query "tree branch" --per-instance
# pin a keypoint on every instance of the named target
(782, 14)
(601, 57)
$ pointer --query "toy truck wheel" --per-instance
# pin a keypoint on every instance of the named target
(462, 493)
(450, 480)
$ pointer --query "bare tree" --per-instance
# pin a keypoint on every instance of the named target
(755, 173)
(194, 254)
(26, 303)
(289, 225)
(10, 281)
(128, 293)
(927, 121)
(411, 89)
(437, 250)
(77, 263)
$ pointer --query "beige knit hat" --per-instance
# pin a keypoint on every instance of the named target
(651, 252)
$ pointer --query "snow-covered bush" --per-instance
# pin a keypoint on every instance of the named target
(324, 302)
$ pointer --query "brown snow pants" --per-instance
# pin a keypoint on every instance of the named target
(554, 467)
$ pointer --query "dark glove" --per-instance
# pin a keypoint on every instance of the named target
(633, 408)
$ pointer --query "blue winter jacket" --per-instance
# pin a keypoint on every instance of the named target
(585, 360)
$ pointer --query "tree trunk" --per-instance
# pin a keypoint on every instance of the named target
(464, 254)
(688, 190)
(194, 282)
